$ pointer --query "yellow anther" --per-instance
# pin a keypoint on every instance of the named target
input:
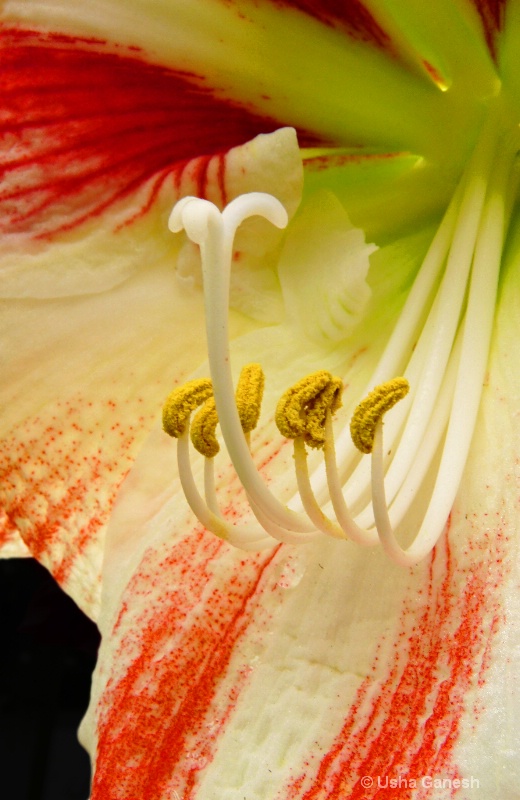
(248, 396)
(372, 409)
(203, 427)
(302, 409)
(327, 400)
(181, 402)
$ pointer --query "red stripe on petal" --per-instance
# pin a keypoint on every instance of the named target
(161, 717)
(84, 125)
(333, 161)
(492, 14)
(410, 724)
(352, 15)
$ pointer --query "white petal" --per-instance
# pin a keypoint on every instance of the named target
(84, 376)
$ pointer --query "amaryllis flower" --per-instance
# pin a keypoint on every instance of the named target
(356, 639)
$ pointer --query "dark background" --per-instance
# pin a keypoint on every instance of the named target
(48, 651)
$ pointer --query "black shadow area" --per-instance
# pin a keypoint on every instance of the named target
(48, 651)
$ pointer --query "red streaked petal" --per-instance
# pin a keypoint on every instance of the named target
(492, 13)
(89, 358)
(194, 626)
(352, 666)
(168, 693)
(351, 14)
(275, 60)
(414, 719)
(85, 125)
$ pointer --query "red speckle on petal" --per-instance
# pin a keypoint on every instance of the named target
(11, 543)
(410, 725)
(59, 476)
(180, 640)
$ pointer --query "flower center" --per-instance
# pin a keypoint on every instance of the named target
(440, 344)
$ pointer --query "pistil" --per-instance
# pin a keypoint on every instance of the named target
(214, 233)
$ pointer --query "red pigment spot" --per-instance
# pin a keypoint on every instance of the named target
(178, 630)
(352, 15)
(84, 125)
(492, 14)
(411, 726)
(59, 475)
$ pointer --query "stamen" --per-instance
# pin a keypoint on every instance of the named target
(308, 498)
(203, 427)
(248, 396)
(301, 414)
(372, 409)
(177, 410)
(246, 537)
(302, 409)
(180, 404)
(366, 417)
(455, 240)
(366, 538)
(439, 345)
(465, 384)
